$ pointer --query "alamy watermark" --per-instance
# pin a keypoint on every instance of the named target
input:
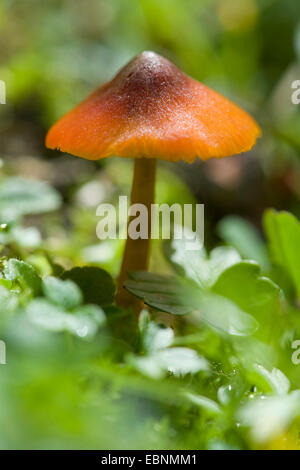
(2, 92)
(296, 353)
(295, 97)
(163, 222)
(2, 352)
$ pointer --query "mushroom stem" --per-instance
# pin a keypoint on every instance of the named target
(136, 253)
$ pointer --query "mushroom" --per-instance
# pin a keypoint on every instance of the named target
(151, 110)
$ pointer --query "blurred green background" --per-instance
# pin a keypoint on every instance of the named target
(54, 53)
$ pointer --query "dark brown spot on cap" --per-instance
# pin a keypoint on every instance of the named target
(146, 82)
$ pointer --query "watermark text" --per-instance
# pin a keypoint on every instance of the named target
(161, 221)
(2, 92)
(2, 352)
(296, 353)
(295, 97)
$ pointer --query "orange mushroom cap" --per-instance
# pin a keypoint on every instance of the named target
(152, 109)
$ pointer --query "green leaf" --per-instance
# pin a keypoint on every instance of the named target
(154, 336)
(251, 350)
(186, 262)
(157, 337)
(210, 406)
(96, 285)
(275, 380)
(83, 322)
(6, 283)
(244, 285)
(19, 196)
(196, 265)
(167, 294)
(181, 361)
(163, 293)
(64, 293)
(147, 365)
(268, 417)
(91, 311)
(242, 235)
(177, 361)
(25, 274)
(283, 234)
(8, 301)
(223, 315)
(220, 259)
